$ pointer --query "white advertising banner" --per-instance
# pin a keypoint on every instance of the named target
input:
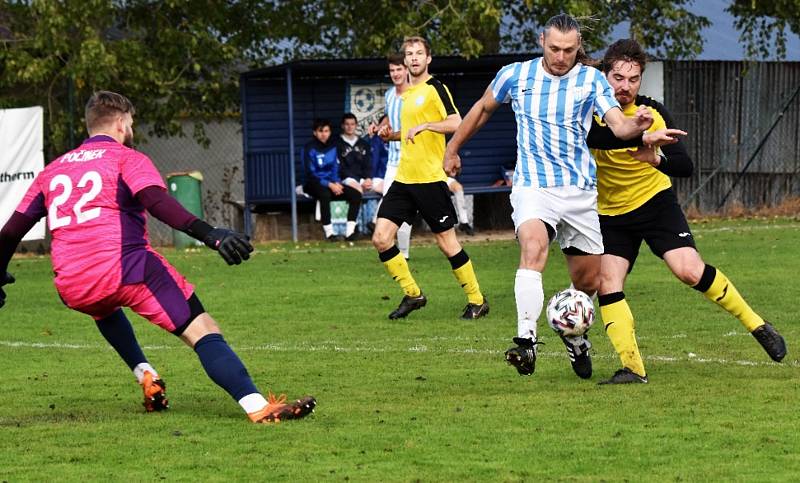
(21, 159)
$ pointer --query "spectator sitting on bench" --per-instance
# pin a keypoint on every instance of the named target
(323, 181)
(355, 157)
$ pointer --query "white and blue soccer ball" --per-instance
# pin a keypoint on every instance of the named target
(364, 100)
(570, 312)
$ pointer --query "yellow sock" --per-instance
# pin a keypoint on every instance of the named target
(465, 275)
(398, 269)
(619, 325)
(723, 293)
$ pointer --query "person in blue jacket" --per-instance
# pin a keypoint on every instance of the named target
(322, 178)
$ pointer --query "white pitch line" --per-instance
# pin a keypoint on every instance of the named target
(416, 348)
(699, 229)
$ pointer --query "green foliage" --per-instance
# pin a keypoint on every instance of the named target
(180, 59)
(665, 27)
(370, 28)
(173, 59)
(428, 398)
(763, 25)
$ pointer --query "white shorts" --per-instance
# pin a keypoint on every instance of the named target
(388, 178)
(570, 210)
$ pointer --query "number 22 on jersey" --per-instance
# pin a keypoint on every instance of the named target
(90, 185)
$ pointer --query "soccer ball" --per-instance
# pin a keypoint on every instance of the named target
(364, 100)
(570, 312)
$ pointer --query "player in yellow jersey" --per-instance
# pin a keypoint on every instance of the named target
(427, 114)
(636, 203)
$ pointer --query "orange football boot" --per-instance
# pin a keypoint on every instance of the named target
(155, 396)
(277, 410)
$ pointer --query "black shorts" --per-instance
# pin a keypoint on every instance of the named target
(431, 200)
(660, 222)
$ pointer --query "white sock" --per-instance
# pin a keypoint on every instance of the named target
(529, 294)
(461, 207)
(404, 239)
(140, 369)
(375, 214)
(328, 229)
(351, 228)
(252, 402)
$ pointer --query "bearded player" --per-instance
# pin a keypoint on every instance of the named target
(636, 203)
(94, 198)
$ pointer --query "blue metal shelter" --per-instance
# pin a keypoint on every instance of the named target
(279, 104)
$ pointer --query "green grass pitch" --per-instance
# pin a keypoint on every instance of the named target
(428, 398)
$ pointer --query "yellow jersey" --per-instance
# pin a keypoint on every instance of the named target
(422, 160)
(624, 183)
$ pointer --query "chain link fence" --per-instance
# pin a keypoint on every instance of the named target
(743, 121)
(220, 164)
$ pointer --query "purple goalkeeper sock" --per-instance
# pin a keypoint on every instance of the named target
(224, 367)
(118, 332)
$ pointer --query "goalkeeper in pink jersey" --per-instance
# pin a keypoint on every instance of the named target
(94, 198)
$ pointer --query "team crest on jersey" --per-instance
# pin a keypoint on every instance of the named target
(420, 100)
(578, 92)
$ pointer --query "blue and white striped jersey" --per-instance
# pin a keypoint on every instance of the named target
(393, 105)
(553, 116)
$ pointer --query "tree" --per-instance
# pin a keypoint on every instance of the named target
(761, 23)
(175, 59)
(370, 28)
(181, 59)
(664, 27)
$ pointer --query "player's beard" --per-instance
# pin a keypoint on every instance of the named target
(418, 71)
(624, 98)
(559, 69)
(128, 141)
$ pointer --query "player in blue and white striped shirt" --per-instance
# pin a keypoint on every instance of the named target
(554, 192)
(553, 114)
(398, 73)
(393, 105)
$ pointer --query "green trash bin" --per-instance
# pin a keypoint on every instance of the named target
(186, 188)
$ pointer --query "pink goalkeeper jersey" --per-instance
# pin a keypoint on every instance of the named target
(99, 230)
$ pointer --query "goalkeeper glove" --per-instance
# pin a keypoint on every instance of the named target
(233, 247)
(5, 280)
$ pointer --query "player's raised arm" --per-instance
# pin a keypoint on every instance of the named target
(12, 233)
(17, 226)
(30, 210)
(675, 160)
(477, 116)
(233, 247)
(602, 137)
(447, 125)
(627, 127)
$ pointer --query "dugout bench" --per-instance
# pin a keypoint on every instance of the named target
(279, 104)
